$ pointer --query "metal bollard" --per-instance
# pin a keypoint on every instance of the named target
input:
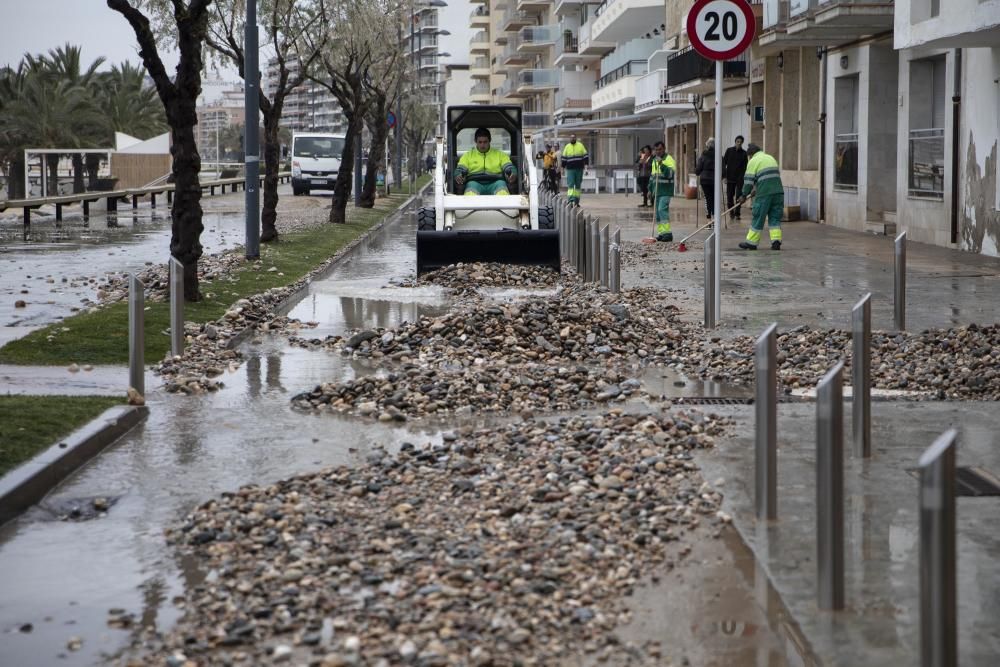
(136, 334)
(615, 262)
(581, 242)
(830, 489)
(899, 282)
(709, 269)
(591, 250)
(176, 307)
(861, 376)
(602, 259)
(938, 595)
(765, 401)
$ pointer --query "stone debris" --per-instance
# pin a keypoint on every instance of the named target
(485, 274)
(505, 546)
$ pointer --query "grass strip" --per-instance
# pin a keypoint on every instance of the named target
(101, 336)
(30, 424)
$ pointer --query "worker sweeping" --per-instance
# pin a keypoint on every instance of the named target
(661, 187)
(764, 177)
(574, 159)
(484, 170)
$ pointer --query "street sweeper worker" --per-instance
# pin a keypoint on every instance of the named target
(484, 170)
(764, 177)
(661, 188)
(574, 159)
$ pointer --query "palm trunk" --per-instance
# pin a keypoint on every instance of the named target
(15, 178)
(272, 160)
(52, 186)
(93, 165)
(345, 177)
(77, 173)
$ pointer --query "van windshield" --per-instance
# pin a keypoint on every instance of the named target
(324, 147)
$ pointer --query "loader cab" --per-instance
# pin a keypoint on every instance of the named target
(504, 124)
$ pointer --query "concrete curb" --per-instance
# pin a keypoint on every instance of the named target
(25, 485)
(289, 301)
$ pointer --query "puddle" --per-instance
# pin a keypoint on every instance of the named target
(667, 383)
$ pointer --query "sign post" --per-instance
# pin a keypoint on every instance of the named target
(720, 30)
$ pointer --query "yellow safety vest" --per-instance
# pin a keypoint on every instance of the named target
(491, 162)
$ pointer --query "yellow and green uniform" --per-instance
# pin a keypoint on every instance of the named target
(485, 173)
(661, 187)
(574, 159)
(769, 202)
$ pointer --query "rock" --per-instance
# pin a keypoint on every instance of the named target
(620, 311)
(20, 303)
(211, 332)
(100, 504)
(74, 644)
(134, 397)
(357, 339)
(73, 368)
(282, 653)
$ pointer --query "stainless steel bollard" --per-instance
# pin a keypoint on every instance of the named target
(592, 250)
(830, 489)
(176, 307)
(602, 258)
(765, 401)
(938, 595)
(709, 269)
(581, 242)
(861, 376)
(899, 282)
(615, 262)
(136, 334)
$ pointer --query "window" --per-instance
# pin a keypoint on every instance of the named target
(845, 133)
(926, 137)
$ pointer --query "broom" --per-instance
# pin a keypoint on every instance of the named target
(682, 246)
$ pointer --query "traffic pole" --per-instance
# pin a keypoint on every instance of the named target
(717, 207)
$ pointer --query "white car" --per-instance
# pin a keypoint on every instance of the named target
(315, 161)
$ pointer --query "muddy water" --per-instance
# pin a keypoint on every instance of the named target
(60, 577)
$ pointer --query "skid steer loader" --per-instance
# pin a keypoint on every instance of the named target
(509, 229)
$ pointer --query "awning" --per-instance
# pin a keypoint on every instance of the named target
(638, 121)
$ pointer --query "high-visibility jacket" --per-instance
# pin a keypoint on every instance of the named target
(574, 156)
(661, 176)
(763, 174)
(488, 166)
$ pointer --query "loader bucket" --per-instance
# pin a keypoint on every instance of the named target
(506, 246)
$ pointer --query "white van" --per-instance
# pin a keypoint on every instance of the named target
(315, 161)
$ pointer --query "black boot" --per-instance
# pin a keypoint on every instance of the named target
(666, 237)
(775, 245)
(747, 246)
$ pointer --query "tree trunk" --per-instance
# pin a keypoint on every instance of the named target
(52, 186)
(376, 155)
(272, 160)
(77, 173)
(345, 177)
(93, 163)
(15, 178)
(185, 214)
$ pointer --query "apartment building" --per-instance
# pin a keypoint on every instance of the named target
(421, 40)
(213, 119)
(309, 107)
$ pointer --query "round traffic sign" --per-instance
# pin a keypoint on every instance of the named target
(390, 120)
(721, 29)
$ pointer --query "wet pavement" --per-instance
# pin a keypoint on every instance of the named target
(63, 576)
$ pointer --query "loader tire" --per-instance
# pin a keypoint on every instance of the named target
(546, 219)
(426, 219)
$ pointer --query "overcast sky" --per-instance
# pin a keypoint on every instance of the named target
(35, 26)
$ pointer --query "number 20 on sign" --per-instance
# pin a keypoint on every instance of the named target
(721, 29)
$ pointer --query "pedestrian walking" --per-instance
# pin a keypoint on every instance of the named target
(661, 188)
(705, 168)
(549, 165)
(763, 177)
(574, 159)
(643, 165)
(734, 167)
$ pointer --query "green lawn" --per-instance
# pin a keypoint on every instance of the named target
(101, 337)
(29, 424)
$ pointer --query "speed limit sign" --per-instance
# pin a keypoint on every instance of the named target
(721, 29)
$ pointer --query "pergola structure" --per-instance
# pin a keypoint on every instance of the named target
(56, 151)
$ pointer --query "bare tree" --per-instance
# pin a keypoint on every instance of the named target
(383, 88)
(285, 21)
(419, 121)
(184, 24)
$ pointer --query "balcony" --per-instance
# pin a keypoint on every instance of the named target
(958, 24)
(651, 95)
(428, 43)
(429, 62)
(480, 17)
(590, 47)
(533, 5)
(480, 93)
(513, 56)
(535, 119)
(616, 89)
(691, 73)
(562, 7)
(537, 80)
(480, 43)
(570, 103)
(513, 20)
(508, 90)
(479, 68)
(567, 50)
(809, 23)
(536, 39)
(622, 20)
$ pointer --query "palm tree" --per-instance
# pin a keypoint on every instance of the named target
(129, 104)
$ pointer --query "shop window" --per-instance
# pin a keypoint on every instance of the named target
(925, 168)
(845, 138)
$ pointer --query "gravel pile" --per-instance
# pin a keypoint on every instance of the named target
(461, 276)
(509, 547)
(944, 364)
(156, 277)
(417, 391)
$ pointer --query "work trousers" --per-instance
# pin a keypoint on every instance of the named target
(766, 208)
(574, 179)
